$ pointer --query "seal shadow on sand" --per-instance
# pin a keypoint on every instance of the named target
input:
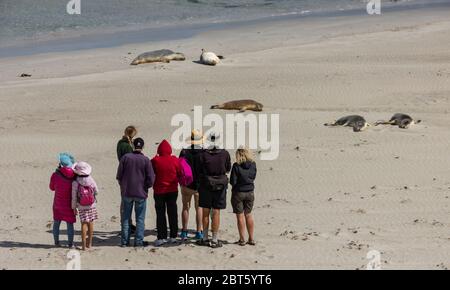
(197, 62)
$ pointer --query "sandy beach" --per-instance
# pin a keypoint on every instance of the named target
(331, 196)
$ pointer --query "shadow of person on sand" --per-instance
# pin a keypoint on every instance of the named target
(12, 244)
(100, 239)
(107, 239)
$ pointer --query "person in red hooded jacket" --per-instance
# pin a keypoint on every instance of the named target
(61, 184)
(167, 170)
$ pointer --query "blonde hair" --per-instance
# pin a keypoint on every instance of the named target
(243, 155)
(129, 133)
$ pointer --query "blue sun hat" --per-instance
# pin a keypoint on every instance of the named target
(66, 159)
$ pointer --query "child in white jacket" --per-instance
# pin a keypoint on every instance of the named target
(84, 192)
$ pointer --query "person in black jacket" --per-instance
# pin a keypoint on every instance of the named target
(242, 180)
(192, 155)
(213, 166)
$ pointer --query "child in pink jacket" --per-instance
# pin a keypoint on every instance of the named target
(61, 183)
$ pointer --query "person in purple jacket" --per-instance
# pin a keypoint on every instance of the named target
(135, 176)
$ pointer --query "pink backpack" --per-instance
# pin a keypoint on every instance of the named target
(86, 195)
(186, 178)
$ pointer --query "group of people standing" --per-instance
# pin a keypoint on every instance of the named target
(209, 167)
(201, 173)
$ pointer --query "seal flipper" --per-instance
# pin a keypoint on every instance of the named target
(384, 123)
(221, 57)
(243, 109)
(330, 124)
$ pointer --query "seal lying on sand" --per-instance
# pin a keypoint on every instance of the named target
(210, 58)
(241, 105)
(357, 122)
(162, 55)
(401, 120)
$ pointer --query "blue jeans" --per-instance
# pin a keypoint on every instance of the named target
(140, 206)
(70, 232)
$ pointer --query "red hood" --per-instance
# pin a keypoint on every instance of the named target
(164, 149)
(67, 172)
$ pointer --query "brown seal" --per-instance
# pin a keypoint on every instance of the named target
(240, 105)
(162, 55)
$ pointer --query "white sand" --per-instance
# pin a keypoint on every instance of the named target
(322, 206)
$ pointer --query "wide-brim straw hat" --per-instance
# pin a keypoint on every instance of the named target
(196, 138)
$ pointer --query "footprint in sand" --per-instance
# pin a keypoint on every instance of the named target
(432, 223)
(358, 211)
(442, 266)
(352, 245)
(306, 236)
(337, 232)
(281, 199)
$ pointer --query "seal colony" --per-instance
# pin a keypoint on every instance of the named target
(240, 105)
(359, 123)
(167, 55)
(162, 55)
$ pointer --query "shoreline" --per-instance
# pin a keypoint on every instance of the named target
(110, 39)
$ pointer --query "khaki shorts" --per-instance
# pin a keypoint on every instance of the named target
(186, 197)
(242, 202)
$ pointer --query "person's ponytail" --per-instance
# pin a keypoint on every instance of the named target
(129, 133)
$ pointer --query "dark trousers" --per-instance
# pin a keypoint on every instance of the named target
(169, 201)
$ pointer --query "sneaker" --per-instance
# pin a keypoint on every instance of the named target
(141, 245)
(172, 241)
(71, 246)
(199, 235)
(184, 235)
(159, 243)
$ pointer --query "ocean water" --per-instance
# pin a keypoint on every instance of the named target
(37, 26)
(34, 19)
